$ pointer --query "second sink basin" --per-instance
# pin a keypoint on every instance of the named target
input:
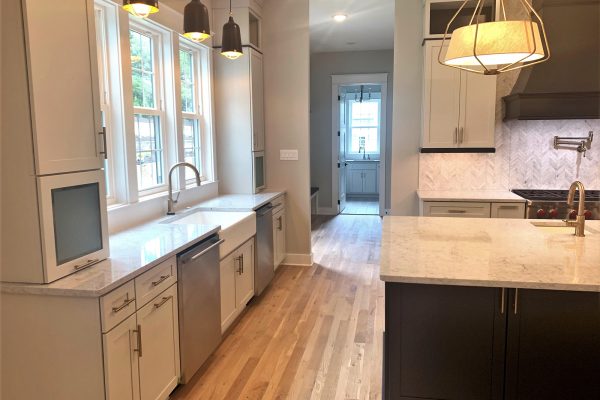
(236, 227)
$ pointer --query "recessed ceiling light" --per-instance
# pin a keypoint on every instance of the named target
(340, 17)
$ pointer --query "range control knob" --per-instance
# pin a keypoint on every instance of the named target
(588, 214)
(553, 213)
(541, 213)
(573, 214)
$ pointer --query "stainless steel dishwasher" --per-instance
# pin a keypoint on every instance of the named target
(265, 265)
(199, 287)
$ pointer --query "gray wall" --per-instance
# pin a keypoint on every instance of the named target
(322, 66)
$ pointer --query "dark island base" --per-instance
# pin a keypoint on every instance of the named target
(456, 342)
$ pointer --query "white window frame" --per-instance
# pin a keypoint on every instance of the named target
(349, 127)
(159, 96)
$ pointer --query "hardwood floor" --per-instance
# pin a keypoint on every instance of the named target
(315, 333)
(361, 207)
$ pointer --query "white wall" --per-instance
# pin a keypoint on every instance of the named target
(406, 130)
(322, 66)
(286, 71)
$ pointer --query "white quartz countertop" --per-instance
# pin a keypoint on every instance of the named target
(511, 253)
(469, 195)
(132, 252)
(238, 202)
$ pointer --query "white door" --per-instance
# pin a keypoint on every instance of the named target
(121, 374)
(257, 90)
(244, 279)
(228, 270)
(441, 101)
(478, 110)
(342, 170)
(159, 358)
(63, 85)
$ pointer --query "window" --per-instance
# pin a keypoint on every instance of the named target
(147, 108)
(364, 126)
(189, 61)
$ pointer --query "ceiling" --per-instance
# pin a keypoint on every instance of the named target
(369, 26)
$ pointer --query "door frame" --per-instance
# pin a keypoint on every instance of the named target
(358, 79)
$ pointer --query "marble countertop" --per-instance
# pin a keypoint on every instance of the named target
(238, 202)
(511, 253)
(469, 195)
(132, 252)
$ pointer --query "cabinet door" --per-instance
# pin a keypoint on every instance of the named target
(244, 279)
(478, 110)
(228, 266)
(355, 181)
(121, 374)
(441, 101)
(63, 74)
(508, 210)
(159, 337)
(444, 342)
(370, 181)
(257, 90)
(553, 349)
(279, 226)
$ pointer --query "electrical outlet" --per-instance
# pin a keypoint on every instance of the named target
(288, 155)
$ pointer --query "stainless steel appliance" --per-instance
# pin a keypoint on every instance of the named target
(552, 204)
(199, 292)
(264, 269)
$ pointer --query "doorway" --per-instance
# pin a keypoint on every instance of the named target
(359, 137)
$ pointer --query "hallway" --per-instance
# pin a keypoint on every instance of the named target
(316, 332)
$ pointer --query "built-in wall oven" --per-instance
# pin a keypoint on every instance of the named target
(73, 225)
(258, 173)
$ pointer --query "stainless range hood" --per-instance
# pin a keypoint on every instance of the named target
(567, 86)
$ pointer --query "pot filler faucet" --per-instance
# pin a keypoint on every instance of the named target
(579, 222)
(170, 201)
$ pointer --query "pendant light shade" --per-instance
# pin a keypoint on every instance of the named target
(196, 26)
(231, 46)
(491, 48)
(141, 8)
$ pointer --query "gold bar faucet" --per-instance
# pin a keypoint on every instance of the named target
(579, 222)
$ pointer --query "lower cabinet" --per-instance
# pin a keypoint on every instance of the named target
(141, 354)
(454, 342)
(237, 282)
(472, 209)
(279, 237)
(362, 178)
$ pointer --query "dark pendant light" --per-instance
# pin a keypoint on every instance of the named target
(140, 8)
(232, 38)
(196, 26)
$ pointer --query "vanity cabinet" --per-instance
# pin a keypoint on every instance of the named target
(449, 342)
(459, 107)
(279, 226)
(362, 178)
(237, 282)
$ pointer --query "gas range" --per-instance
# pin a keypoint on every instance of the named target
(552, 204)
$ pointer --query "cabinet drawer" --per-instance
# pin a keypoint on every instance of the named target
(279, 204)
(117, 305)
(508, 210)
(152, 282)
(456, 209)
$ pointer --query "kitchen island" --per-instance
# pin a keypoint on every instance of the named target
(490, 309)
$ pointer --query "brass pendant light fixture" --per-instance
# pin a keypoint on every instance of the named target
(491, 48)
(231, 46)
(196, 25)
(141, 8)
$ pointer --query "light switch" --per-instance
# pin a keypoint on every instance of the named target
(288, 155)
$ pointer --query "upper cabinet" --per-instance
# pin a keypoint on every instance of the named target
(62, 79)
(439, 12)
(459, 107)
(257, 100)
(247, 14)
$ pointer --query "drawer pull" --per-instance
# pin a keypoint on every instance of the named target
(457, 211)
(138, 331)
(163, 301)
(126, 302)
(88, 263)
(161, 280)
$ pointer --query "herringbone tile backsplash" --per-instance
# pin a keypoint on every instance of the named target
(524, 158)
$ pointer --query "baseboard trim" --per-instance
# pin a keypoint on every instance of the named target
(327, 211)
(304, 260)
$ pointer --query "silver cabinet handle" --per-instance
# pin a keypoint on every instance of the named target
(461, 135)
(457, 211)
(502, 294)
(161, 280)
(104, 148)
(88, 263)
(508, 207)
(203, 252)
(280, 227)
(126, 302)
(455, 141)
(242, 260)
(138, 331)
(163, 301)
(239, 264)
(516, 300)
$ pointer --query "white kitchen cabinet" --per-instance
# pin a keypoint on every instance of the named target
(258, 102)
(508, 210)
(279, 249)
(458, 106)
(159, 338)
(472, 209)
(247, 14)
(237, 282)
(63, 85)
(120, 361)
(370, 181)
(362, 178)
